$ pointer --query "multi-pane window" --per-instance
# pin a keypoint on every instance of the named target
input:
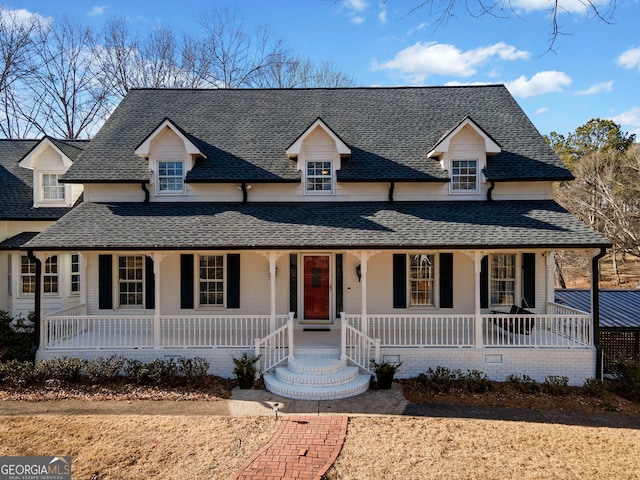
(130, 280)
(319, 177)
(421, 279)
(503, 279)
(464, 175)
(51, 188)
(75, 273)
(27, 275)
(170, 177)
(50, 277)
(211, 280)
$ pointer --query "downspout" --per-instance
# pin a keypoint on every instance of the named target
(595, 308)
(245, 196)
(146, 191)
(37, 307)
(490, 191)
(392, 187)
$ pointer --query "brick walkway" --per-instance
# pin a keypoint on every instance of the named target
(304, 447)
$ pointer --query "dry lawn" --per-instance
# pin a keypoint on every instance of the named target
(207, 447)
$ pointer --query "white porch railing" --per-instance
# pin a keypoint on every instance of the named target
(357, 347)
(215, 331)
(557, 309)
(95, 332)
(422, 330)
(276, 347)
(73, 311)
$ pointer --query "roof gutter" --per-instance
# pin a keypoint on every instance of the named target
(595, 308)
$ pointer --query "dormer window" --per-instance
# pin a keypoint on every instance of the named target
(319, 177)
(170, 177)
(52, 190)
(464, 176)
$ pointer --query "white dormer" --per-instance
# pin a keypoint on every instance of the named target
(318, 152)
(48, 163)
(463, 152)
(171, 155)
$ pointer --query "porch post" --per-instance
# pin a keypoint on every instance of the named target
(84, 291)
(364, 325)
(477, 267)
(595, 308)
(343, 336)
(157, 323)
(551, 265)
(273, 257)
(290, 335)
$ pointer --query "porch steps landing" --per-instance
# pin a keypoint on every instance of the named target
(317, 374)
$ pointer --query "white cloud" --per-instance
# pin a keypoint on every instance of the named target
(541, 110)
(357, 19)
(630, 58)
(467, 84)
(629, 119)
(424, 59)
(597, 88)
(22, 17)
(564, 6)
(382, 16)
(542, 82)
(356, 5)
(97, 10)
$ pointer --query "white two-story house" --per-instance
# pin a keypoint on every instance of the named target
(320, 228)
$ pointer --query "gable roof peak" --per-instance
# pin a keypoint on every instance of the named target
(294, 149)
(442, 145)
(143, 150)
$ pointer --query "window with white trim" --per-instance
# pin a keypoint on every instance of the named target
(170, 177)
(464, 176)
(131, 280)
(211, 279)
(27, 275)
(75, 273)
(421, 279)
(9, 276)
(52, 190)
(319, 177)
(50, 275)
(503, 279)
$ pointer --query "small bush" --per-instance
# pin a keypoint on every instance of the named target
(476, 381)
(628, 372)
(441, 380)
(17, 373)
(555, 385)
(194, 370)
(101, 370)
(524, 384)
(64, 369)
(16, 337)
(594, 387)
(156, 372)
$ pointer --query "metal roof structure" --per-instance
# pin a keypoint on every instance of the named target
(619, 309)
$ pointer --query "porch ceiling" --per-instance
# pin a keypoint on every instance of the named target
(377, 225)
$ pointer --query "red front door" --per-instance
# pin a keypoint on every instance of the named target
(316, 287)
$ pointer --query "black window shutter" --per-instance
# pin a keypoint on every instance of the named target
(528, 280)
(105, 282)
(446, 280)
(399, 280)
(339, 285)
(293, 283)
(484, 282)
(233, 280)
(186, 281)
(149, 284)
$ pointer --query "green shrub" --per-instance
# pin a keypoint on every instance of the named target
(64, 369)
(194, 370)
(156, 372)
(555, 385)
(101, 370)
(17, 373)
(441, 380)
(594, 387)
(524, 384)
(16, 337)
(476, 381)
(628, 372)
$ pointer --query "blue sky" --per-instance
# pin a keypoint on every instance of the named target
(594, 70)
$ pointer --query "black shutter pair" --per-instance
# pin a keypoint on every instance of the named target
(528, 281)
(400, 280)
(105, 283)
(187, 274)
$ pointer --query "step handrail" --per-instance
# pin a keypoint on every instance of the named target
(276, 347)
(360, 346)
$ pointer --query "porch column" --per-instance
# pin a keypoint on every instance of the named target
(551, 275)
(273, 257)
(364, 258)
(477, 268)
(157, 321)
(84, 280)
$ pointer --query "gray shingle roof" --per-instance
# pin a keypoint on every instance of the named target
(17, 241)
(244, 133)
(618, 308)
(16, 185)
(455, 224)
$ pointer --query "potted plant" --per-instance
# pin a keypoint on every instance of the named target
(245, 369)
(384, 372)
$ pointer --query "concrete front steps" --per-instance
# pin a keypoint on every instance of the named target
(317, 374)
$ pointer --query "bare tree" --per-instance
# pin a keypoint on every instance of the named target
(292, 71)
(66, 81)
